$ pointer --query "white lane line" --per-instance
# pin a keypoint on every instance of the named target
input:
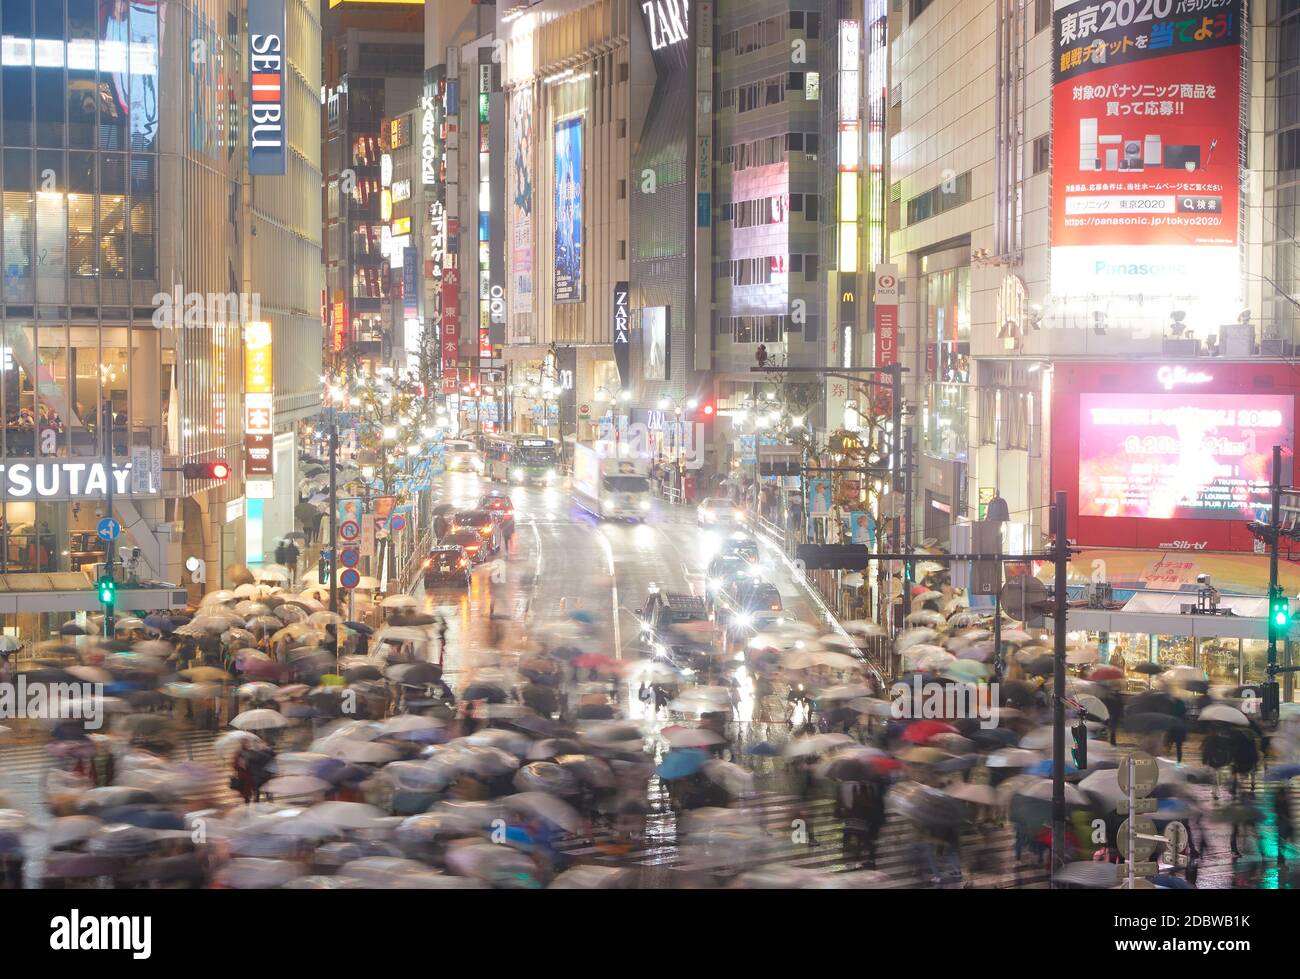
(613, 587)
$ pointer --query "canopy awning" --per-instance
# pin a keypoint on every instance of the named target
(71, 591)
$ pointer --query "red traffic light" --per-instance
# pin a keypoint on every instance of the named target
(220, 469)
(707, 410)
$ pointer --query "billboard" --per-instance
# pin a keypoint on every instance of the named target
(1146, 119)
(568, 210)
(131, 36)
(654, 343)
(267, 136)
(521, 200)
(1180, 455)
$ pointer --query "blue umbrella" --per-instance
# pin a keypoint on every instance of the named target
(1043, 769)
(159, 622)
(763, 748)
(681, 762)
(581, 616)
(1282, 773)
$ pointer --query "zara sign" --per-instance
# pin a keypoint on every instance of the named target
(667, 21)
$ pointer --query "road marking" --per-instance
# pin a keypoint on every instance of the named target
(613, 587)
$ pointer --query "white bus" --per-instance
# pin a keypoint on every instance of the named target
(613, 487)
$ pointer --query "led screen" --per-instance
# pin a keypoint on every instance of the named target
(1179, 455)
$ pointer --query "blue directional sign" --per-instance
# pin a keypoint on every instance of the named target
(108, 529)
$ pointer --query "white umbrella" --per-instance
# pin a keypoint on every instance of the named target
(1042, 789)
(217, 597)
(862, 627)
(982, 795)
(261, 719)
(364, 752)
(692, 737)
(815, 744)
(408, 723)
(729, 775)
(399, 601)
(547, 806)
(346, 815)
(228, 745)
(1226, 714)
(295, 786)
(913, 637)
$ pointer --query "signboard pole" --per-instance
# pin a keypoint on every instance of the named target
(1271, 693)
(334, 523)
(110, 546)
(1061, 553)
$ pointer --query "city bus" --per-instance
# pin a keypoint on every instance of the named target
(521, 459)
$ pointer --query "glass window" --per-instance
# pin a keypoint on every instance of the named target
(19, 538)
(113, 382)
(1174, 651)
(19, 229)
(52, 392)
(144, 76)
(1221, 660)
(83, 90)
(1126, 650)
(114, 88)
(51, 228)
(84, 371)
(16, 22)
(16, 366)
(82, 253)
(144, 259)
(112, 216)
(1254, 660)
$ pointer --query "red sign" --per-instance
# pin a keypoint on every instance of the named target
(886, 352)
(1146, 105)
(1155, 455)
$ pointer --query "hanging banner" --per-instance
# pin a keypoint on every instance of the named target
(568, 210)
(266, 107)
(621, 331)
(885, 310)
(521, 201)
(1146, 127)
(259, 407)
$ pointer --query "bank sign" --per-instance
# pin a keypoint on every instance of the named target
(267, 136)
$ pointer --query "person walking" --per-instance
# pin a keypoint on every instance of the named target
(1282, 815)
(291, 554)
(309, 518)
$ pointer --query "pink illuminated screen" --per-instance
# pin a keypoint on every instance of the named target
(1189, 456)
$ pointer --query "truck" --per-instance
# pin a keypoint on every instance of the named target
(610, 481)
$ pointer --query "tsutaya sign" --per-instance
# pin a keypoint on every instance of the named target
(66, 481)
(667, 21)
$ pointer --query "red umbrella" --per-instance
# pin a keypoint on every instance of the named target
(883, 765)
(1106, 673)
(922, 731)
(595, 661)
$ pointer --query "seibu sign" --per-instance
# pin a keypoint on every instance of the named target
(66, 481)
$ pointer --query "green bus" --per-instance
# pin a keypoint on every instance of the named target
(521, 459)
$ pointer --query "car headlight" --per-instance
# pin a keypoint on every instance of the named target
(744, 620)
(610, 501)
(714, 584)
(518, 474)
(645, 504)
(550, 474)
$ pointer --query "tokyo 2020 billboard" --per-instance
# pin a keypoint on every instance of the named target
(1179, 455)
(1146, 122)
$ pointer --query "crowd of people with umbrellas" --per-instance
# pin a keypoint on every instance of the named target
(545, 761)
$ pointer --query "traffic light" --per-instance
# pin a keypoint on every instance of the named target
(1079, 752)
(706, 410)
(1279, 617)
(107, 589)
(220, 469)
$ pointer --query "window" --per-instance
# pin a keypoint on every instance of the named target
(810, 144)
(796, 263)
(794, 141)
(794, 81)
(796, 202)
(622, 189)
(916, 8)
(623, 75)
(622, 250)
(814, 28)
(1042, 15)
(1042, 153)
(812, 207)
(622, 128)
(796, 20)
(810, 263)
(945, 197)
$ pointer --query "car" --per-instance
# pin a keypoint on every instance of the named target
(470, 540)
(663, 613)
(483, 523)
(502, 508)
(460, 455)
(744, 604)
(451, 563)
(718, 511)
(740, 545)
(721, 571)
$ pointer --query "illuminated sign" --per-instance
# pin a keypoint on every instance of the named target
(667, 22)
(622, 334)
(1184, 456)
(401, 190)
(1169, 377)
(266, 109)
(399, 132)
(66, 481)
(428, 148)
(259, 408)
(386, 170)
(401, 227)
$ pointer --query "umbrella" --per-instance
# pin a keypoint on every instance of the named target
(1090, 873)
(546, 776)
(256, 873)
(686, 737)
(1150, 669)
(816, 744)
(547, 807)
(1041, 790)
(502, 866)
(261, 719)
(364, 752)
(1224, 714)
(399, 601)
(729, 775)
(296, 786)
(1101, 673)
(205, 674)
(919, 732)
(681, 762)
(346, 815)
(982, 795)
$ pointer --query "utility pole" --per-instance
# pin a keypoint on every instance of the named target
(1060, 558)
(334, 522)
(1279, 612)
(110, 546)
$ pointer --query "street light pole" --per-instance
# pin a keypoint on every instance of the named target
(1061, 556)
(334, 521)
(110, 546)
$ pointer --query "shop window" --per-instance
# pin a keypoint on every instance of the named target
(84, 370)
(1254, 660)
(1174, 651)
(19, 392)
(1221, 660)
(52, 393)
(112, 216)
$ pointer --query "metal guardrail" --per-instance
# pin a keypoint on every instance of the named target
(419, 549)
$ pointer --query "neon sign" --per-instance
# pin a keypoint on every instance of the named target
(1170, 377)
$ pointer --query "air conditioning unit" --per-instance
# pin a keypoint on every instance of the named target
(1178, 347)
(1237, 340)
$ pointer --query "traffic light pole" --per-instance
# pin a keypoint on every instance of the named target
(1061, 557)
(110, 546)
(1272, 697)
(334, 525)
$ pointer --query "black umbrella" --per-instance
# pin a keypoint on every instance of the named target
(849, 770)
(1153, 703)
(596, 712)
(415, 618)
(73, 629)
(1017, 693)
(539, 698)
(418, 674)
(362, 673)
(1150, 723)
(360, 627)
(1040, 666)
(1150, 669)
(484, 691)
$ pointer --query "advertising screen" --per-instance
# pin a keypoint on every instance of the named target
(1179, 455)
(1146, 106)
(568, 210)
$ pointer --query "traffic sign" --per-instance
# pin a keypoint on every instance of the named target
(350, 578)
(108, 529)
(350, 530)
(349, 556)
(1145, 771)
(1176, 843)
(396, 522)
(1145, 867)
(1139, 806)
